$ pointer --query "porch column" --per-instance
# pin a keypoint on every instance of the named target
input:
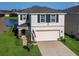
(19, 32)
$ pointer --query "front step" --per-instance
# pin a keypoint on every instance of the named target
(24, 40)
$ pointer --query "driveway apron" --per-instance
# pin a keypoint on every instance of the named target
(54, 48)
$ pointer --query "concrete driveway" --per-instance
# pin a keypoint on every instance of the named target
(54, 48)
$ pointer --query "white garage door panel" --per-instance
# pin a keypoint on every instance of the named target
(47, 35)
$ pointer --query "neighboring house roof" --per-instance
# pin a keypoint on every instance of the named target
(6, 12)
(74, 9)
(39, 9)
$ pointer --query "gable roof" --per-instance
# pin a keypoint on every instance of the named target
(39, 9)
(72, 9)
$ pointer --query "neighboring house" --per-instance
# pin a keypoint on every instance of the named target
(4, 14)
(72, 21)
(7, 13)
(42, 23)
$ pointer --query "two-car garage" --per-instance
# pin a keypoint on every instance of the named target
(46, 35)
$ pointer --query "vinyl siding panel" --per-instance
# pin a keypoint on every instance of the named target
(72, 24)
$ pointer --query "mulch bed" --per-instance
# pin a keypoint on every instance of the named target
(2, 26)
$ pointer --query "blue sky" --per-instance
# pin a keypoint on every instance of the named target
(23, 5)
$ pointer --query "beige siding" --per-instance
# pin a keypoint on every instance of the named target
(72, 24)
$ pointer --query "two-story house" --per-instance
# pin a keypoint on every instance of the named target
(41, 23)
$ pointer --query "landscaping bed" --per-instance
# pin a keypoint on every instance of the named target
(12, 46)
(72, 43)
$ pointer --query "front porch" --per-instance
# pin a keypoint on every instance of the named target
(24, 33)
(23, 30)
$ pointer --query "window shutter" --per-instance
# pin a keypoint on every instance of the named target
(30, 17)
(47, 18)
(57, 20)
(20, 17)
(38, 18)
(27, 16)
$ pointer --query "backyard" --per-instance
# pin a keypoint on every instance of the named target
(72, 43)
(12, 46)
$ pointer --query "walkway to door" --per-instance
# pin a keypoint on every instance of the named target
(54, 48)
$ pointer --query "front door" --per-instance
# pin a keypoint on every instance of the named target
(23, 32)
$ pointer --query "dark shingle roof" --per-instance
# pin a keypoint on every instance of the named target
(39, 9)
(72, 9)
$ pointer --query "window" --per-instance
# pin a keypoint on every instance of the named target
(48, 18)
(42, 18)
(53, 18)
(23, 17)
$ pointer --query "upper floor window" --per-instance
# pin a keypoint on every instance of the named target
(42, 18)
(48, 18)
(23, 17)
(52, 18)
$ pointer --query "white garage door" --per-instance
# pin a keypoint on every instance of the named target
(46, 35)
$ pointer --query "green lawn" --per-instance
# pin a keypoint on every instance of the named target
(72, 43)
(11, 46)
